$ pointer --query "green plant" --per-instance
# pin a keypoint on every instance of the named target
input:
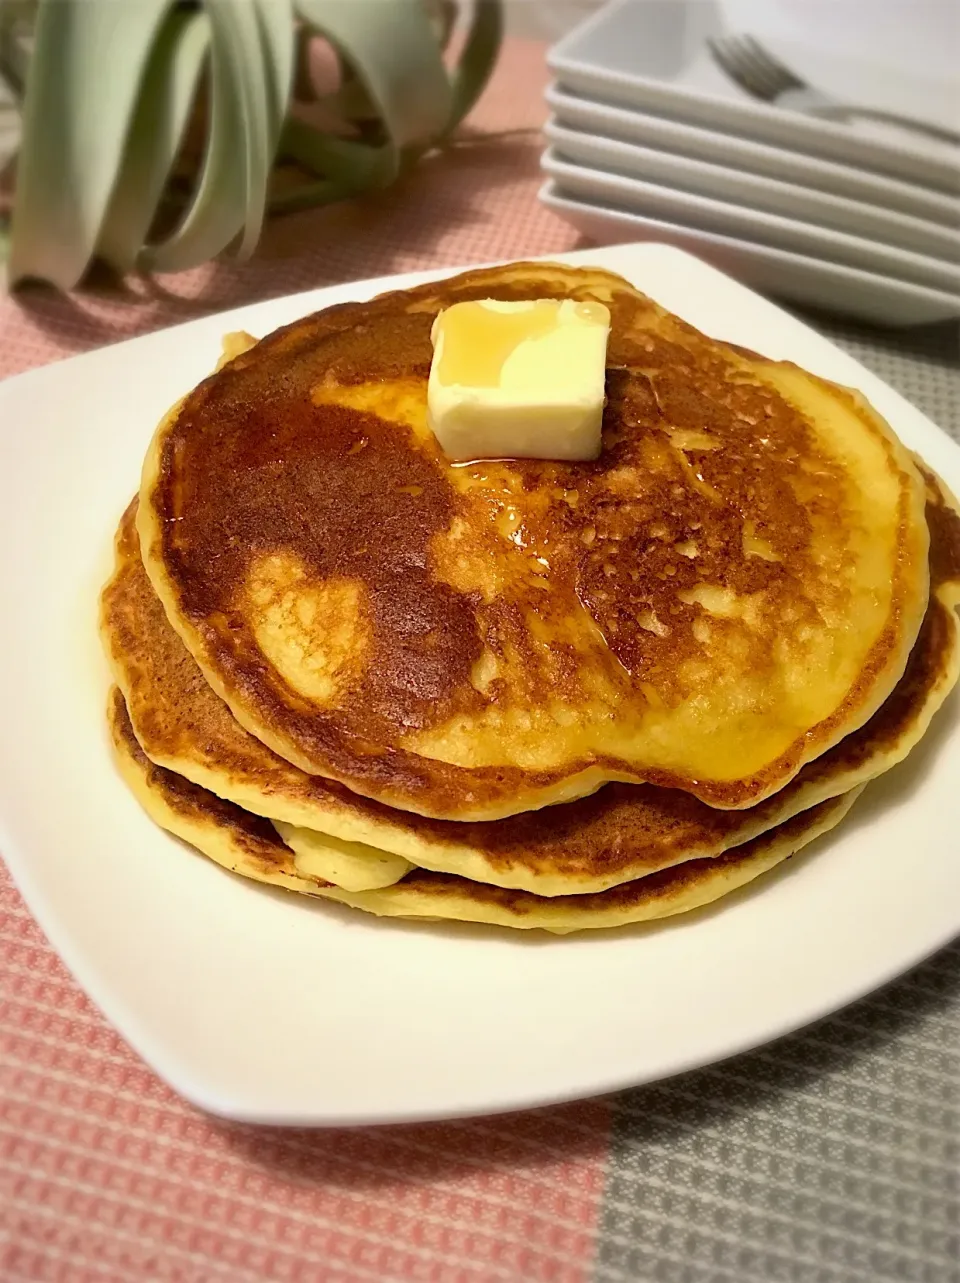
(157, 134)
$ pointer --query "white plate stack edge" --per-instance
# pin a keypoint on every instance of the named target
(647, 140)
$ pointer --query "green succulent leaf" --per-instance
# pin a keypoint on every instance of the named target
(75, 126)
(477, 58)
(394, 52)
(168, 94)
(230, 196)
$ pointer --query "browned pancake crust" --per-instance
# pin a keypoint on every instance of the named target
(265, 856)
(622, 831)
(667, 884)
(256, 837)
(250, 465)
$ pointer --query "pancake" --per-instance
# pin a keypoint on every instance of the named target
(248, 845)
(729, 590)
(618, 834)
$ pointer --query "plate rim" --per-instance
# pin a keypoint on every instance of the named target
(555, 198)
(561, 100)
(558, 135)
(775, 224)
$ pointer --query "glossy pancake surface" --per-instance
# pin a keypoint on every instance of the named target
(246, 845)
(729, 590)
(620, 833)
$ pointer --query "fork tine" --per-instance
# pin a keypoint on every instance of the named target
(767, 79)
(771, 65)
(728, 56)
(719, 50)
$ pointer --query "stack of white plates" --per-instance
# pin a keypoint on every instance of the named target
(649, 139)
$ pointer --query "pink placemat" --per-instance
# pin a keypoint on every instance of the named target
(105, 1175)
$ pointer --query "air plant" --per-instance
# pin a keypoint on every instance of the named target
(156, 134)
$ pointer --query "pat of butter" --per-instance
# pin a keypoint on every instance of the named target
(519, 380)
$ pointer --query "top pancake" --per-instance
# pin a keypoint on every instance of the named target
(730, 589)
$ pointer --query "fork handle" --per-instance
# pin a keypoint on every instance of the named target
(812, 103)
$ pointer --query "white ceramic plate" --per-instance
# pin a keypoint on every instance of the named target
(742, 158)
(782, 273)
(755, 191)
(652, 55)
(263, 1005)
(729, 219)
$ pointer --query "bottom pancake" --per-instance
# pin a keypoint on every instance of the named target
(251, 846)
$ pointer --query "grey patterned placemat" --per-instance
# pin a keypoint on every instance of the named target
(832, 1156)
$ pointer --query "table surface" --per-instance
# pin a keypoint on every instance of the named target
(832, 1156)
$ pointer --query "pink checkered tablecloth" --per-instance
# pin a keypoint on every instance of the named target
(831, 1157)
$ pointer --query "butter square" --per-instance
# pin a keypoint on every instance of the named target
(519, 380)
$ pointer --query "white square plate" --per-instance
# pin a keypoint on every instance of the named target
(815, 282)
(744, 159)
(749, 223)
(652, 55)
(267, 1006)
(796, 202)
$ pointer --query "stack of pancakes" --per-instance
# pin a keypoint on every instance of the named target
(532, 693)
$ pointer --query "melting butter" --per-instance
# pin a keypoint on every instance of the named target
(519, 379)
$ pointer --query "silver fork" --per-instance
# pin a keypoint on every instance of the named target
(763, 76)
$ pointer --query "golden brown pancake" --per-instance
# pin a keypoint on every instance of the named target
(249, 846)
(620, 833)
(730, 589)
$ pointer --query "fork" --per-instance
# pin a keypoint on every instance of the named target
(763, 76)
